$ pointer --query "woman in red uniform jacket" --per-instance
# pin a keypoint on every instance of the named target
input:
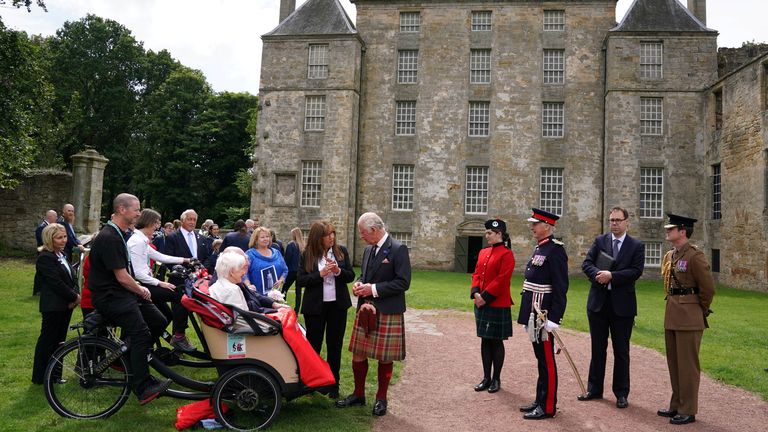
(490, 293)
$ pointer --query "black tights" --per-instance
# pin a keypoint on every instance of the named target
(492, 353)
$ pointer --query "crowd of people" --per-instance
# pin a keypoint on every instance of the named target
(251, 264)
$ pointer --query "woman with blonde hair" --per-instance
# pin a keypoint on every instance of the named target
(267, 269)
(293, 252)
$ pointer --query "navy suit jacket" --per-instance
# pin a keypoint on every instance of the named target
(625, 270)
(391, 272)
(72, 240)
(176, 245)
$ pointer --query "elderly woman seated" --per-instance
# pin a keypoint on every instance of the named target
(228, 289)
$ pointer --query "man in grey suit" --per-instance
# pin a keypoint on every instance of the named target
(379, 329)
(613, 264)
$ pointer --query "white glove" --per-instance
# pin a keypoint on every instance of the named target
(550, 326)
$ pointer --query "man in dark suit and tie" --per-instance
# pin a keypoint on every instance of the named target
(379, 329)
(66, 219)
(613, 264)
(185, 242)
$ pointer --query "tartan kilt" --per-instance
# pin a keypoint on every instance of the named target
(385, 344)
(493, 322)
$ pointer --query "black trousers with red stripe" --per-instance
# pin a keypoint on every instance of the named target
(546, 386)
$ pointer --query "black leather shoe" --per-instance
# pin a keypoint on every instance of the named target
(380, 407)
(682, 419)
(589, 396)
(483, 384)
(349, 401)
(537, 414)
(153, 391)
(495, 386)
(528, 408)
(622, 402)
(666, 413)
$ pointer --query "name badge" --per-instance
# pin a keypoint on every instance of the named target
(681, 266)
(235, 346)
(538, 260)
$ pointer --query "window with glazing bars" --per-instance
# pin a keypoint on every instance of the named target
(407, 66)
(552, 119)
(405, 118)
(554, 66)
(481, 20)
(405, 238)
(410, 22)
(314, 114)
(318, 61)
(554, 20)
(651, 55)
(716, 193)
(653, 254)
(651, 116)
(651, 192)
(479, 119)
(476, 191)
(402, 187)
(480, 66)
(310, 183)
(551, 190)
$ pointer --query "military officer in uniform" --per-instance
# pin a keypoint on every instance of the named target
(689, 288)
(546, 285)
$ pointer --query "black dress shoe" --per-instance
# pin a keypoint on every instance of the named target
(589, 396)
(495, 386)
(528, 408)
(349, 401)
(537, 414)
(666, 413)
(483, 384)
(622, 402)
(380, 407)
(682, 419)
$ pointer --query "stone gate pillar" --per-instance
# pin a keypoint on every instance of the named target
(87, 186)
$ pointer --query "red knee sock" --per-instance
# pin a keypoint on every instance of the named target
(385, 374)
(359, 371)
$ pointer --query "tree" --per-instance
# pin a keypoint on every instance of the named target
(26, 3)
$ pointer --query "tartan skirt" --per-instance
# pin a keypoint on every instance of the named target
(493, 322)
(386, 343)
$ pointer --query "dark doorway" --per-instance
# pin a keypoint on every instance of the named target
(474, 244)
(465, 253)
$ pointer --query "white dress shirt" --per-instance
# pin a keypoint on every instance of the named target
(141, 253)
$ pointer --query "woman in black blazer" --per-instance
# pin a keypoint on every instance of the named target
(55, 280)
(324, 271)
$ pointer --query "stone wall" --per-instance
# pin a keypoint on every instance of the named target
(24, 208)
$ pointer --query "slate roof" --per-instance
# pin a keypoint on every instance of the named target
(660, 15)
(316, 17)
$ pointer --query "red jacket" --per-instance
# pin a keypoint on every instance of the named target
(492, 274)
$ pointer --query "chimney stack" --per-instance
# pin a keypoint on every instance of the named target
(699, 9)
(288, 6)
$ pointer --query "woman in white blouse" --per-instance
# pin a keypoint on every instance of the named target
(162, 292)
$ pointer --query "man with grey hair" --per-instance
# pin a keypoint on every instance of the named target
(379, 329)
(66, 219)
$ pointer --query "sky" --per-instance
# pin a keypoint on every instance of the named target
(222, 37)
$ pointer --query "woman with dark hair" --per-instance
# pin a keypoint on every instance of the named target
(491, 295)
(325, 270)
(55, 280)
(238, 237)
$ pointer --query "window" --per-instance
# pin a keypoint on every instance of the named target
(718, 109)
(653, 254)
(554, 20)
(405, 238)
(651, 192)
(314, 115)
(651, 60)
(552, 119)
(480, 66)
(405, 118)
(551, 195)
(554, 66)
(651, 115)
(407, 66)
(716, 192)
(410, 22)
(318, 61)
(479, 119)
(715, 260)
(481, 20)
(402, 187)
(476, 191)
(310, 183)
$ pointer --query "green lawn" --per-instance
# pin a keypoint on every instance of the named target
(733, 351)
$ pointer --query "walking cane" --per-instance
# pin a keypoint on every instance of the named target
(542, 316)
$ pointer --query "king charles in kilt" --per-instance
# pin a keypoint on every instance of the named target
(546, 284)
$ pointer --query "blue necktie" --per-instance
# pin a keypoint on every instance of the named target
(192, 244)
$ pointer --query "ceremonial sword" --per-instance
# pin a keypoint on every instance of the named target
(542, 316)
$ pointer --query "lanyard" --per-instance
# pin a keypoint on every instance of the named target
(119, 231)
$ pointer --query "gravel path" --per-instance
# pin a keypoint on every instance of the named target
(435, 392)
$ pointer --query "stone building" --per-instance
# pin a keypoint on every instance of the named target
(441, 114)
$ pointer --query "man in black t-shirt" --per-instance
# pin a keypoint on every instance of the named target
(122, 300)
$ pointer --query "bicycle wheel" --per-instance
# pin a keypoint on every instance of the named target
(76, 389)
(252, 396)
